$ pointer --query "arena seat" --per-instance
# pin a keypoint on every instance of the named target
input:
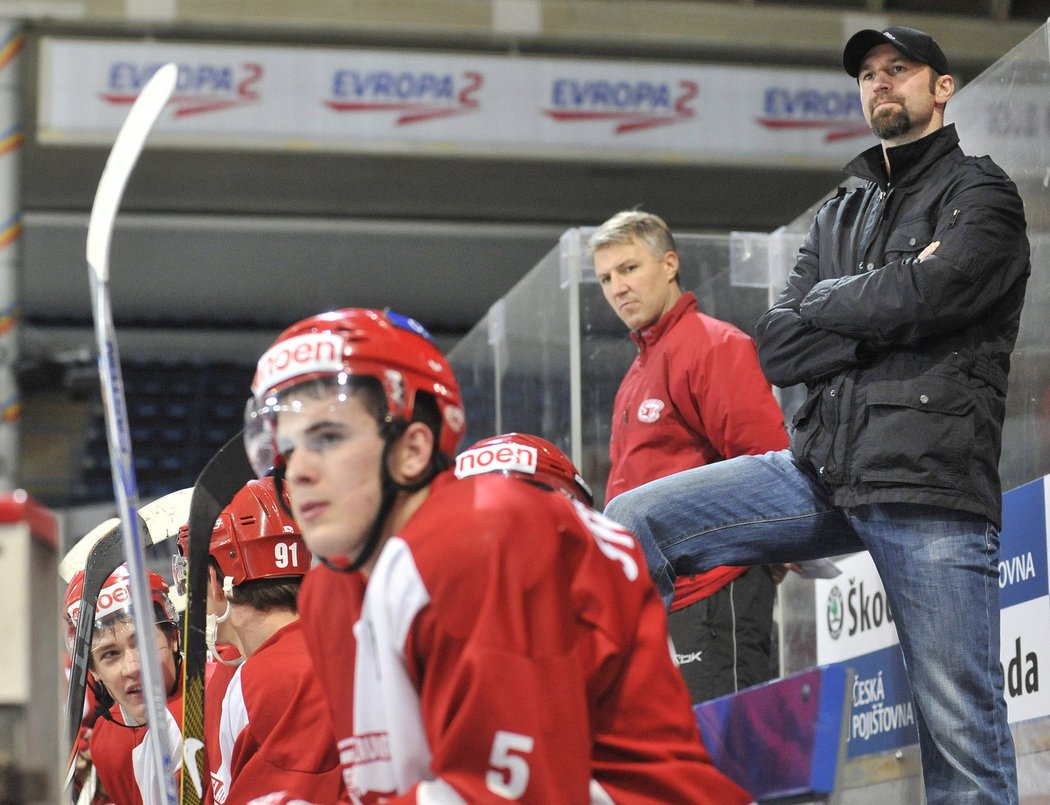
(179, 414)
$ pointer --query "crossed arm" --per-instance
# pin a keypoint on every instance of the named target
(827, 320)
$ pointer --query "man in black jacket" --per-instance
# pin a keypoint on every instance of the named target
(899, 316)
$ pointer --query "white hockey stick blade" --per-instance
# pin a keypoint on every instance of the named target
(122, 158)
(76, 557)
(163, 516)
(167, 514)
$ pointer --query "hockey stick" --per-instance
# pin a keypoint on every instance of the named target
(122, 158)
(76, 557)
(105, 556)
(221, 479)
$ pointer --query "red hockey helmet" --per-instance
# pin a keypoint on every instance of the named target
(114, 601)
(394, 349)
(526, 456)
(255, 537)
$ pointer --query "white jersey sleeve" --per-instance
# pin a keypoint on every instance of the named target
(233, 722)
(142, 760)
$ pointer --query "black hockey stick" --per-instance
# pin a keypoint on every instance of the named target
(221, 479)
(103, 559)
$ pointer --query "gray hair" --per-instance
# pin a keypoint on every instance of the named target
(629, 225)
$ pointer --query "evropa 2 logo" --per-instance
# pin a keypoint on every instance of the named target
(630, 105)
(837, 113)
(415, 96)
(201, 87)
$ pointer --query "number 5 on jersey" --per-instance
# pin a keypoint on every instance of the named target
(509, 776)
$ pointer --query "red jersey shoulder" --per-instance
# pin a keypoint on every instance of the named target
(111, 746)
(323, 589)
(494, 529)
(287, 711)
(484, 515)
(114, 738)
(475, 509)
(280, 666)
(486, 533)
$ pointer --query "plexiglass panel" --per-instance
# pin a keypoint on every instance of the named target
(513, 367)
(1005, 113)
(517, 366)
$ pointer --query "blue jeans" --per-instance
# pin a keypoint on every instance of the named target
(940, 569)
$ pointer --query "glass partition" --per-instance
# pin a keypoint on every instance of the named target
(1005, 113)
(549, 356)
(514, 368)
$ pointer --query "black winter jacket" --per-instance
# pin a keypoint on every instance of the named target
(905, 360)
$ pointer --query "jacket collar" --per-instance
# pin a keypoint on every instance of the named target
(648, 336)
(906, 161)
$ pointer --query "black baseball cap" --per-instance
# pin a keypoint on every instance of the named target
(914, 44)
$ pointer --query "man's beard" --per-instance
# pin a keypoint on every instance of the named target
(891, 124)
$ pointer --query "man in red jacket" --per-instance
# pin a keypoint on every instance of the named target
(693, 395)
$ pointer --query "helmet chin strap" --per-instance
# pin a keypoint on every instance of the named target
(211, 629)
(389, 495)
(392, 430)
(106, 701)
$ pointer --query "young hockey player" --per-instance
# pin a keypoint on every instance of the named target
(116, 743)
(274, 730)
(479, 639)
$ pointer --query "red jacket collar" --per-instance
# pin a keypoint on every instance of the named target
(650, 335)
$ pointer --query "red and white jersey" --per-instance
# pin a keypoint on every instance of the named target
(110, 746)
(275, 731)
(116, 751)
(509, 645)
(218, 672)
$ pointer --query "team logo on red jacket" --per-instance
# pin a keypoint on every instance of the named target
(649, 411)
